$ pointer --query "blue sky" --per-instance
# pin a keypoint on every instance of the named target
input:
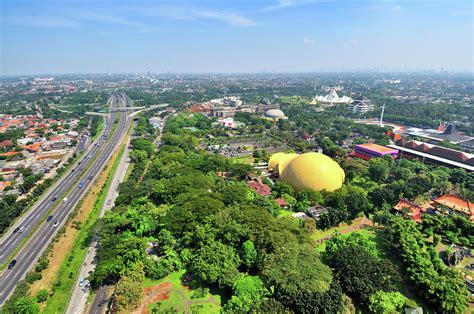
(92, 36)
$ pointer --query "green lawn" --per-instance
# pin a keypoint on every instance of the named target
(284, 213)
(176, 303)
(67, 274)
(243, 160)
(100, 127)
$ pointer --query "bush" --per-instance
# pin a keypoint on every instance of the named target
(42, 295)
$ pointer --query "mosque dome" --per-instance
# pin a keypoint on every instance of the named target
(275, 114)
(312, 171)
(274, 160)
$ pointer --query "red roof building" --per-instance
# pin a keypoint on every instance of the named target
(260, 187)
(457, 204)
(409, 209)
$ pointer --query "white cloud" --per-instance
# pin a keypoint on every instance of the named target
(308, 41)
(230, 18)
(42, 21)
(107, 18)
(282, 4)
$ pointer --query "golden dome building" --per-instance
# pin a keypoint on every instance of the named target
(274, 160)
(284, 161)
(309, 171)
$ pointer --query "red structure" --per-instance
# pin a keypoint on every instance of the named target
(260, 187)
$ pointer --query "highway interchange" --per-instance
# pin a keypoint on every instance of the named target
(67, 194)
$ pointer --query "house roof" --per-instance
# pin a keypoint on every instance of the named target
(457, 203)
(414, 210)
(260, 187)
(281, 202)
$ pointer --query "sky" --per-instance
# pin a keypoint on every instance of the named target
(248, 36)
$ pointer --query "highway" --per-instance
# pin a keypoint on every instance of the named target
(68, 186)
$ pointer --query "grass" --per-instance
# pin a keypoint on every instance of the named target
(100, 127)
(67, 273)
(243, 160)
(175, 302)
(319, 234)
(284, 213)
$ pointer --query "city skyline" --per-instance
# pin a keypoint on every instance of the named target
(238, 37)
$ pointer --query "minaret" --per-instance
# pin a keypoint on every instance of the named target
(381, 117)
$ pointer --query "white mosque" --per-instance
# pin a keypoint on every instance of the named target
(331, 99)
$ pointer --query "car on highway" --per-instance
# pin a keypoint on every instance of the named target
(56, 223)
(54, 199)
(65, 200)
(90, 178)
(109, 202)
(21, 229)
(49, 218)
(12, 263)
(16, 230)
(81, 185)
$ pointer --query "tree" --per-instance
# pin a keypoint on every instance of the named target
(129, 289)
(249, 254)
(354, 240)
(361, 274)
(42, 295)
(378, 169)
(248, 291)
(316, 302)
(25, 305)
(386, 302)
(293, 270)
(216, 263)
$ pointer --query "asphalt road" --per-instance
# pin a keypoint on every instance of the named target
(10, 240)
(32, 250)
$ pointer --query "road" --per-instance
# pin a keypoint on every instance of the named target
(86, 172)
(78, 298)
(29, 220)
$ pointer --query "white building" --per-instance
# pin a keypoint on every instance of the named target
(361, 105)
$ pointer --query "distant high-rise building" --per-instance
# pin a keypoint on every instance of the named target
(361, 105)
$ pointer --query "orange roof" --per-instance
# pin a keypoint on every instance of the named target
(458, 204)
(12, 153)
(4, 184)
(377, 148)
(33, 147)
(413, 210)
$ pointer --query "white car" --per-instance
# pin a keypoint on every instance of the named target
(65, 200)
(56, 223)
(82, 281)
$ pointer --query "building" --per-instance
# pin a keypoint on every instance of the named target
(454, 203)
(316, 211)
(361, 105)
(370, 150)
(409, 209)
(447, 133)
(312, 171)
(434, 154)
(275, 114)
(260, 187)
(331, 99)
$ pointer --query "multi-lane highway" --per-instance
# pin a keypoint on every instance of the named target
(69, 190)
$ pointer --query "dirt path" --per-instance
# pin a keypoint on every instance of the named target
(162, 292)
(365, 222)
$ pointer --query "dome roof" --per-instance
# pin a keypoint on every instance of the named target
(274, 160)
(274, 113)
(284, 161)
(313, 171)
